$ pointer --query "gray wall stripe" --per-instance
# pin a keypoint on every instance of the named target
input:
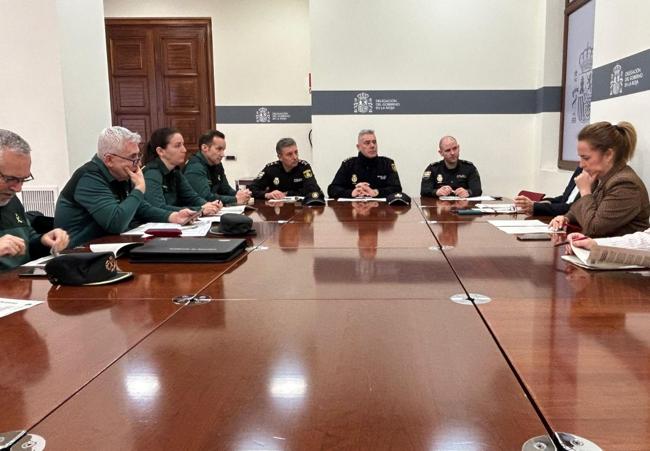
(437, 102)
(623, 77)
(264, 114)
(531, 101)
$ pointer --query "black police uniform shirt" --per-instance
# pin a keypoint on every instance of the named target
(299, 181)
(464, 175)
(379, 172)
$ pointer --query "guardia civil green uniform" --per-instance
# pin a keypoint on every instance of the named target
(169, 189)
(209, 180)
(14, 222)
(93, 204)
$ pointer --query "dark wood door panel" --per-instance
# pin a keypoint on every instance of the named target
(161, 75)
(140, 124)
(131, 95)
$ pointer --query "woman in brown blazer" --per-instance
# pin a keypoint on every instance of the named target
(613, 199)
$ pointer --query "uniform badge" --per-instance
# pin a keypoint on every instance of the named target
(111, 264)
(307, 173)
(219, 177)
(19, 219)
(276, 181)
(314, 195)
(426, 174)
(354, 178)
(398, 195)
(394, 167)
(439, 178)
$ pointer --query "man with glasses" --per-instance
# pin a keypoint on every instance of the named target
(106, 195)
(450, 176)
(367, 174)
(19, 242)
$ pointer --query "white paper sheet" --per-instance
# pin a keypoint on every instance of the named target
(9, 306)
(475, 198)
(38, 263)
(361, 199)
(518, 230)
(516, 223)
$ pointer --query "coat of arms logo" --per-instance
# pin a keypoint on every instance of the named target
(616, 81)
(263, 115)
(363, 103)
(582, 87)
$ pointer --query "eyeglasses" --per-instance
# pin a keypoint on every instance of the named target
(134, 161)
(11, 180)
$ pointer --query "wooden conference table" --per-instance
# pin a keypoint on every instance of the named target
(335, 331)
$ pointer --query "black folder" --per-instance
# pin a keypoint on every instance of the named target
(188, 250)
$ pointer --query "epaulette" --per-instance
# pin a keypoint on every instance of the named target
(466, 162)
(272, 163)
(350, 158)
(303, 162)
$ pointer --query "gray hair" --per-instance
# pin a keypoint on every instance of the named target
(283, 144)
(365, 131)
(12, 141)
(113, 139)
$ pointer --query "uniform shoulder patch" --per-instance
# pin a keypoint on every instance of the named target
(272, 163)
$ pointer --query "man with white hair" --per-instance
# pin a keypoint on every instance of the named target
(106, 195)
(19, 242)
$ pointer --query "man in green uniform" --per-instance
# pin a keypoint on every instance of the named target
(19, 242)
(204, 171)
(287, 176)
(106, 195)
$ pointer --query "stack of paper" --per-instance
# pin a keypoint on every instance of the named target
(513, 227)
(497, 208)
(361, 199)
(607, 258)
(475, 198)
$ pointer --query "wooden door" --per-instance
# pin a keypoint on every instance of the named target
(160, 73)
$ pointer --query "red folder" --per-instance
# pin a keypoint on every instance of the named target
(535, 197)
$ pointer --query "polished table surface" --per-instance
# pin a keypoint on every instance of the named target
(335, 331)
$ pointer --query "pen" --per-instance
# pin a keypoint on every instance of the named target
(569, 242)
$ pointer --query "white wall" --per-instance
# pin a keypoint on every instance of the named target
(31, 97)
(85, 76)
(438, 45)
(621, 30)
(261, 57)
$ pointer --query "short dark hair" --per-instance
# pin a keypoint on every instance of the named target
(207, 137)
(284, 143)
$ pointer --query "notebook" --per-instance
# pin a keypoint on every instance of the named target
(188, 250)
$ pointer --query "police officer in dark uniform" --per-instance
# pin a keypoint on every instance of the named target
(450, 176)
(288, 176)
(367, 174)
